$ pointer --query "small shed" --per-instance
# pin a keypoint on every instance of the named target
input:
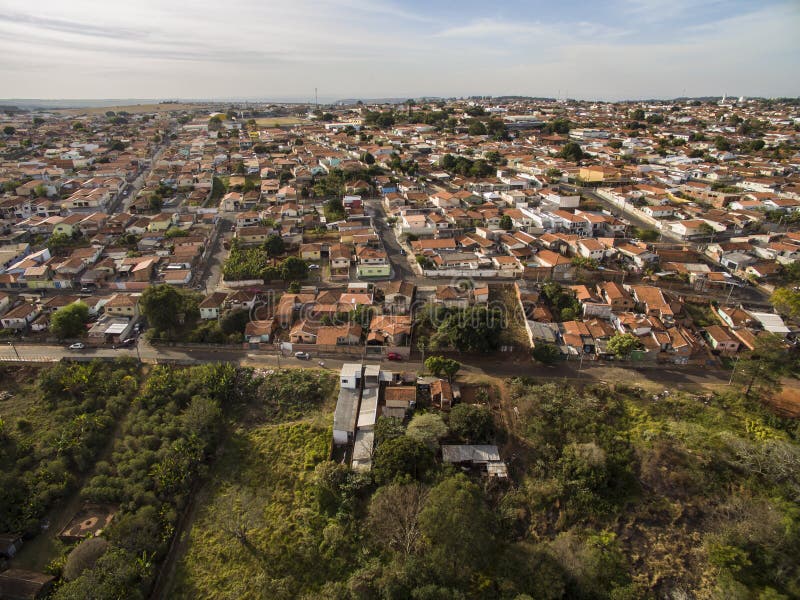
(345, 416)
(19, 584)
(470, 454)
(486, 457)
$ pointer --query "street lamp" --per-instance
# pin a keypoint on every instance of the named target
(15, 349)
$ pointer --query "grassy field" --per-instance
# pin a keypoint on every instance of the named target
(261, 486)
(133, 109)
(277, 121)
(257, 533)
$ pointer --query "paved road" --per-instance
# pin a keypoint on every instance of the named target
(400, 267)
(495, 365)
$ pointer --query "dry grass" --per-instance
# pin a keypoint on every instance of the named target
(514, 334)
(133, 109)
(277, 121)
(787, 402)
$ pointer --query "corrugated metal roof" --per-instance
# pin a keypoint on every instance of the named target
(458, 453)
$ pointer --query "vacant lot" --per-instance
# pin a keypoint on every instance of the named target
(132, 108)
(278, 121)
(514, 333)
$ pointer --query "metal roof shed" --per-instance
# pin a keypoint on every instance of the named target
(368, 413)
(345, 415)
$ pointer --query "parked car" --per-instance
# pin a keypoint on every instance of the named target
(128, 341)
(393, 356)
(402, 252)
(302, 355)
(77, 346)
(313, 266)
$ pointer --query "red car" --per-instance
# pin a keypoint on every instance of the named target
(393, 356)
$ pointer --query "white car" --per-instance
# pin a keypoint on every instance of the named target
(313, 266)
(302, 355)
(77, 346)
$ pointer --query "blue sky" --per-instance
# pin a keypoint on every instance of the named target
(381, 48)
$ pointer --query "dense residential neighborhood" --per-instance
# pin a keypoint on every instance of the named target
(373, 287)
(339, 226)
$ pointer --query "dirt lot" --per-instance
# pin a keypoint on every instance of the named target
(272, 121)
(133, 109)
(787, 403)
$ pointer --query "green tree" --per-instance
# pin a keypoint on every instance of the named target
(69, 322)
(334, 210)
(572, 152)
(472, 423)
(622, 344)
(9, 130)
(763, 368)
(447, 162)
(116, 574)
(474, 329)
(637, 114)
(477, 128)
(557, 126)
(294, 269)
(427, 428)
(165, 307)
(388, 428)
(274, 246)
(234, 321)
(439, 365)
(401, 458)
(58, 242)
(367, 158)
(786, 301)
(722, 144)
(506, 223)
(458, 528)
(546, 353)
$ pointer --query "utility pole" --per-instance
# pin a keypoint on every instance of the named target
(15, 349)
(733, 372)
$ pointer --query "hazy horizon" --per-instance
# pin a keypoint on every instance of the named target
(618, 50)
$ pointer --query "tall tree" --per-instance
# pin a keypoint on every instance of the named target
(763, 368)
(69, 322)
(622, 344)
(394, 517)
(787, 301)
(472, 423)
(458, 528)
(427, 428)
(165, 307)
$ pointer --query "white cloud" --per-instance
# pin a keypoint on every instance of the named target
(352, 48)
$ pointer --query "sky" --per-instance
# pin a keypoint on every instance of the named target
(605, 50)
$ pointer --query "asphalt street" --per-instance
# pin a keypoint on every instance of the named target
(490, 365)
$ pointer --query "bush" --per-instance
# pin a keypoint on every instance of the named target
(472, 423)
(83, 557)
